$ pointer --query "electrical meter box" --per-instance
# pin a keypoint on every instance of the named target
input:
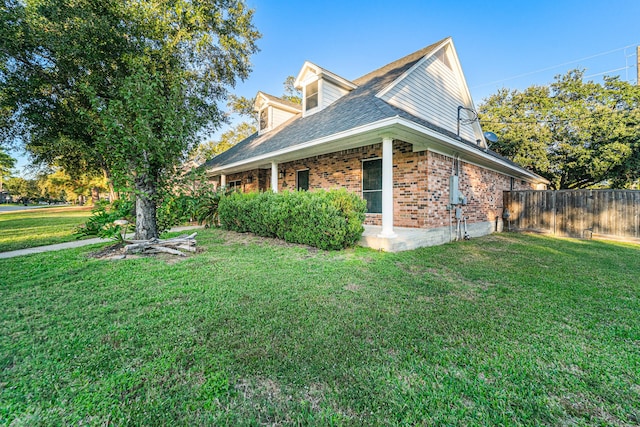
(455, 196)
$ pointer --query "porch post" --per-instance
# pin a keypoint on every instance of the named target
(223, 180)
(274, 177)
(387, 188)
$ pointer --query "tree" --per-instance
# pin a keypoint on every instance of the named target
(58, 185)
(23, 189)
(243, 107)
(577, 134)
(6, 165)
(228, 139)
(125, 87)
(290, 92)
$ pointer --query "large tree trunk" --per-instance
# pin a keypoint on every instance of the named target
(146, 226)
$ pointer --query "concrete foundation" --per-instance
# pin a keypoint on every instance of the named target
(412, 238)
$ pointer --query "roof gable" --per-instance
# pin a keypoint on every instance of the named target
(353, 118)
(311, 71)
(264, 99)
(396, 68)
(433, 88)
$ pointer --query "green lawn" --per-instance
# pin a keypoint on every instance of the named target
(503, 330)
(37, 227)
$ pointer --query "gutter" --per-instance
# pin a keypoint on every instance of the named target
(379, 127)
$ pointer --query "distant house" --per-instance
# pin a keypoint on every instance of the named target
(403, 136)
(5, 197)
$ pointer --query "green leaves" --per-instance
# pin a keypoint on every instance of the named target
(577, 134)
(121, 87)
(323, 219)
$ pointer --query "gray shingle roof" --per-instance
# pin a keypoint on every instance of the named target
(358, 108)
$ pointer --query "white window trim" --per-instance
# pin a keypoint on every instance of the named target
(236, 183)
(362, 182)
(302, 170)
(314, 110)
(269, 125)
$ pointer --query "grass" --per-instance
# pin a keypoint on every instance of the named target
(38, 227)
(502, 330)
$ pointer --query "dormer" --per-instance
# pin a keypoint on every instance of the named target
(320, 88)
(273, 111)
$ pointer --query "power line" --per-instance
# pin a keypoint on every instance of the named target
(605, 72)
(555, 66)
(592, 115)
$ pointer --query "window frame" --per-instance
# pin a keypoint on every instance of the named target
(236, 184)
(264, 111)
(316, 94)
(298, 179)
(379, 159)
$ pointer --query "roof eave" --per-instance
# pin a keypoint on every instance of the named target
(414, 133)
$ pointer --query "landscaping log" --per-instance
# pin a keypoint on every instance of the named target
(173, 246)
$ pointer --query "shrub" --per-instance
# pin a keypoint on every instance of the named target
(324, 219)
(206, 211)
(176, 209)
(103, 215)
(190, 198)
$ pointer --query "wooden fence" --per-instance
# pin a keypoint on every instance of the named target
(576, 213)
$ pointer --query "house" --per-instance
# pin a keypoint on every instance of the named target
(404, 136)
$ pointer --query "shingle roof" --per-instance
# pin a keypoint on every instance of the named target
(358, 108)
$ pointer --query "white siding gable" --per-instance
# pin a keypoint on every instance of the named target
(279, 117)
(320, 88)
(272, 112)
(433, 90)
(330, 93)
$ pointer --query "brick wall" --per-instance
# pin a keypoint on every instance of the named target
(420, 183)
(482, 187)
(342, 169)
(253, 180)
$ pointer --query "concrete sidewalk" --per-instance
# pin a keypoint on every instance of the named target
(75, 244)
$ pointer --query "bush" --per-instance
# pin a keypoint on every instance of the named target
(103, 215)
(176, 209)
(206, 211)
(190, 198)
(324, 219)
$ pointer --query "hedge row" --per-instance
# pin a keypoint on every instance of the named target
(324, 219)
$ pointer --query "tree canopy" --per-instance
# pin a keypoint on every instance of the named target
(6, 166)
(576, 133)
(125, 87)
(243, 107)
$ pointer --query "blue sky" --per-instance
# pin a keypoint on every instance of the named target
(495, 40)
(499, 43)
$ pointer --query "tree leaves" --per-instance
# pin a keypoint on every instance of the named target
(123, 87)
(576, 134)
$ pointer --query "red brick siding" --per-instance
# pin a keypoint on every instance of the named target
(420, 183)
(482, 187)
(342, 169)
(259, 180)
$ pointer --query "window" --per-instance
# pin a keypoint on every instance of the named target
(311, 96)
(372, 185)
(264, 118)
(302, 180)
(234, 185)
